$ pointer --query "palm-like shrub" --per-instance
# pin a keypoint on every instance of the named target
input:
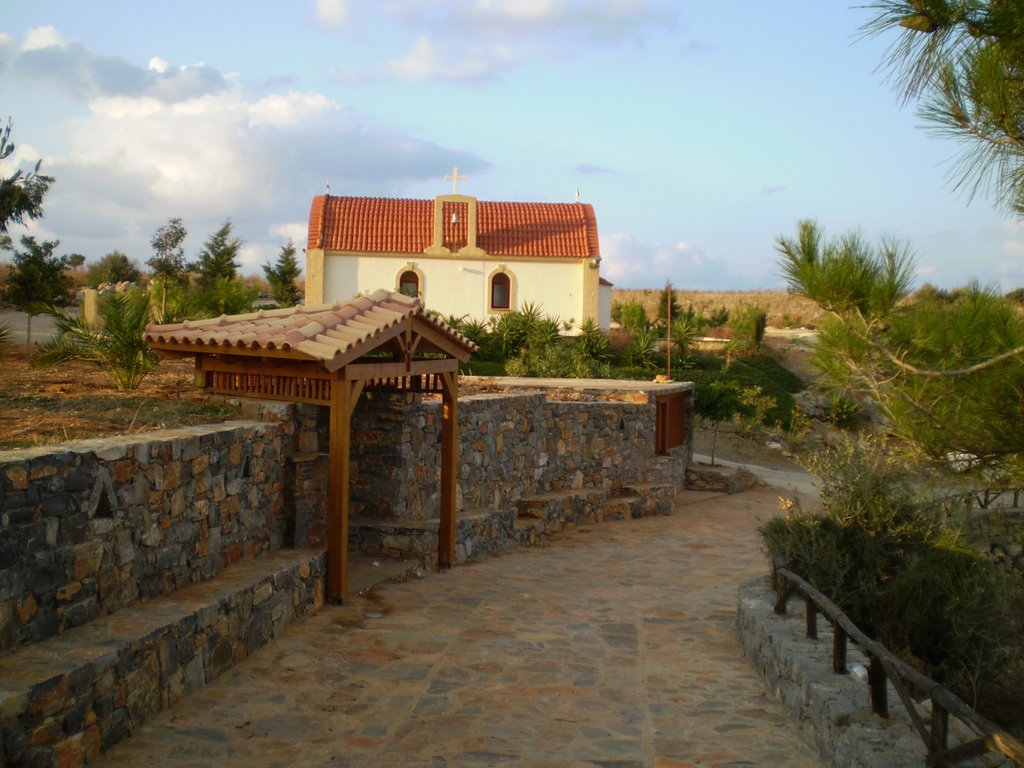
(117, 344)
(640, 352)
(6, 340)
(592, 343)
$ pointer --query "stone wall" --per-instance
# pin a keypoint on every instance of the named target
(511, 445)
(834, 710)
(90, 527)
(999, 532)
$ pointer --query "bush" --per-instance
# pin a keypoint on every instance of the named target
(555, 361)
(632, 315)
(640, 352)
(117, 345)
(890, 555)
(592, 344)
(6, 340)
(748, 326)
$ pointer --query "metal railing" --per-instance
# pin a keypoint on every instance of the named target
(884, 668)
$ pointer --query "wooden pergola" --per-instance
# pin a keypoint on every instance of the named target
(329, 355)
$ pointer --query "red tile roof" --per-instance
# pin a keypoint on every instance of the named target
(326, 332)
(389, 225)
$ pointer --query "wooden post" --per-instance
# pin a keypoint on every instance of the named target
(812, 618)
(940, 729)
(449, 467)
(337, 490)
(838, 649)
(877, 682)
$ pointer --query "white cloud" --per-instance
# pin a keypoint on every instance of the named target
(426, 62)
(173, 147)
(631, 263)
(333, 12)
(479, 41)
(45, 58)
(296, 231)
(42, 37)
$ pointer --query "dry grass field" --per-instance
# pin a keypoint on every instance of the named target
(785, 310)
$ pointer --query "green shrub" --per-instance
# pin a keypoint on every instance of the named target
(555, 361)
(890, 555)
(686, 329)
(6, 340)
(117, 344)
(640, 352)
(633, 315)
(748, 327)
(592, 343)
(719, 317)
(843, 412)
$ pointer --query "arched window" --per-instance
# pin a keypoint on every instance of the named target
(409, 284)
(501, 291)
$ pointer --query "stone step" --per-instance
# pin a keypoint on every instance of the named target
(566, 505)
(476, 531)
(66, 699)
(648, 498)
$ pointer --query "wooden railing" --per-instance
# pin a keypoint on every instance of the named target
(884, 667)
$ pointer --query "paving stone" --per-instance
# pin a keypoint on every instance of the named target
(480, 665)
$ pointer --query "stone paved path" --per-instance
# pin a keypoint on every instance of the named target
(614, 646)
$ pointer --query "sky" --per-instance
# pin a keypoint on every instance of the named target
(701, 132)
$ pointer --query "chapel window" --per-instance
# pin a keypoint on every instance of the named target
(409, 284)
(501, 292)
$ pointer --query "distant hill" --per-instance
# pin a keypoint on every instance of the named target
(785, 310)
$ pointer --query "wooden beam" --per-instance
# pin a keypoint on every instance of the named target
(449, 467)
(307, 369)
(338, 489)
(385, 370)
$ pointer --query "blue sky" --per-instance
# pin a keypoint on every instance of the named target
(700, 132)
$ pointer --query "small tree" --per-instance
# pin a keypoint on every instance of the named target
(115, 267)
(632, 315)
(117, 344)
(168, 263)
(945, 375)
(685, 332)
(224, 296)
(668, 299)
(282, 276)
(718, 401)
(219, 257)
(748, 326)
(36, 277)
(21, 193)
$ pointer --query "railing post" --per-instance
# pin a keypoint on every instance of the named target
(877, 685)
(838, 649)
(812, 618)
(939, 740)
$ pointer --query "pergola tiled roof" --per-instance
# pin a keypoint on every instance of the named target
(388, 225)
(335, 334)
(328, 355)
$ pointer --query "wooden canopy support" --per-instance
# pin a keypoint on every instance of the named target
(449, 468)
(329, 356)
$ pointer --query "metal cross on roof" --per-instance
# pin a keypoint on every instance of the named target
(454, 178)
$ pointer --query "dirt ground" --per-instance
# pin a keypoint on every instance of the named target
(40, 406)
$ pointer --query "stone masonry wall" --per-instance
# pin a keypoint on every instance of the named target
(87, 528)
(999, 532)
(90, 527)
(511, 445)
